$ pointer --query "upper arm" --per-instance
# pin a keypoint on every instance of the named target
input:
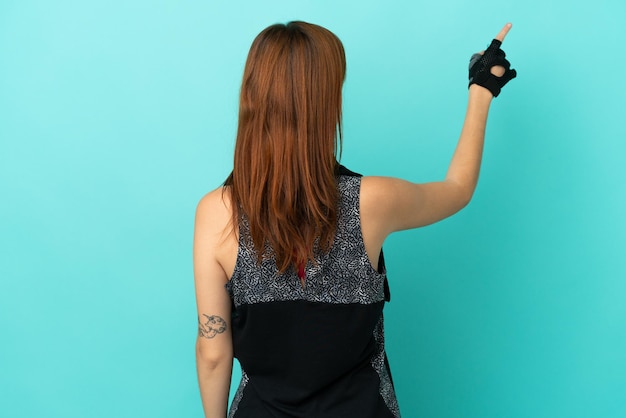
(213, 302)
(394, 204)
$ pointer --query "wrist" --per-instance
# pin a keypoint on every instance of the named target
(480, 93)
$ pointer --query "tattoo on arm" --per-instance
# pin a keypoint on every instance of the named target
(211, 326)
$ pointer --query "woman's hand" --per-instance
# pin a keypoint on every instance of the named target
(499, 70)
(490, 69)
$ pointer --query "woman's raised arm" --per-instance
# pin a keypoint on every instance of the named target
(391, 204)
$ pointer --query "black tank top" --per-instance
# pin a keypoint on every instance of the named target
(315, 350)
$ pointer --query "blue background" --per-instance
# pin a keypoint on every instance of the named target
(116, 117)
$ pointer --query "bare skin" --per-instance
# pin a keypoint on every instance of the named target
(387, 205)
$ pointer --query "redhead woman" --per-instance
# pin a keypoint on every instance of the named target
(288, 264)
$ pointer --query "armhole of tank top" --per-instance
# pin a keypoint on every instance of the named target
(238, 258)
(370, 266)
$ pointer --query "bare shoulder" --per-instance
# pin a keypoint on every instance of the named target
(378, 193)
(216, 199)
(375, 202)
(213, 209)
(214, 237)
(380, 184)
(213, 219)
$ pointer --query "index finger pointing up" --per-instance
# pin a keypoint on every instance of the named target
(503, 32)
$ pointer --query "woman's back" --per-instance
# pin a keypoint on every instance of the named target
(312, 348)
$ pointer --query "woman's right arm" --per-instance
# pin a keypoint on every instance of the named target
(214, 351)
(391, 204)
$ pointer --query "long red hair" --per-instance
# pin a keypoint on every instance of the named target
(289, 134)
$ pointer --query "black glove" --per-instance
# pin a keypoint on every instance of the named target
(480, 69)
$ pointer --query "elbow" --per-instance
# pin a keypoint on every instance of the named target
(465, 198)
(211, 358)
(463, 193)
(462, 187)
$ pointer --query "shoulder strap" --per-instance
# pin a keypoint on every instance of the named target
(343, 171)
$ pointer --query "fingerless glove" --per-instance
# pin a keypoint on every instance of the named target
(480, 69)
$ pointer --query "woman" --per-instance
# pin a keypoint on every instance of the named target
(288, 262)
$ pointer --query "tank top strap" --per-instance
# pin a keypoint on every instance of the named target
(354, 194)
